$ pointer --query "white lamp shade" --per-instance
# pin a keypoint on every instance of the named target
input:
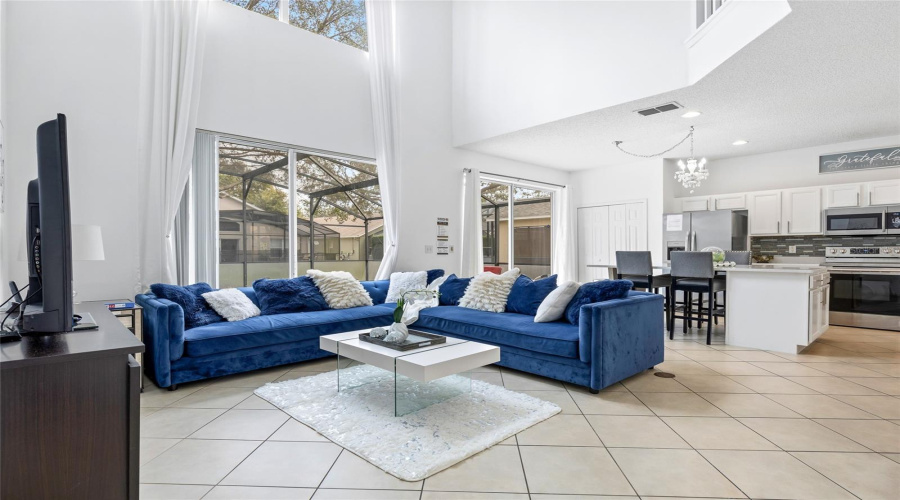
(87, 242)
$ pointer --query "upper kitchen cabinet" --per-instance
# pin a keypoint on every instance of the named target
(884, 192)
(844, 195)
(694, 203)
(730, 202)
(765, 212)
(801, 211)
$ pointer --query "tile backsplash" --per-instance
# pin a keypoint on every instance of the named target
(814, 246)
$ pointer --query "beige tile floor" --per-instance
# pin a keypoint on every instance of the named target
(733, 423)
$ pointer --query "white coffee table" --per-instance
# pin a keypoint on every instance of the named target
(423, 376)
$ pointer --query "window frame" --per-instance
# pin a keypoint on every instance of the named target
(293, 194)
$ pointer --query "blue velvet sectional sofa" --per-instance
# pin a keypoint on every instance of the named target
(614, 339)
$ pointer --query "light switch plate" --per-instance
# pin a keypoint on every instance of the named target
(792, 249)
(429, 249)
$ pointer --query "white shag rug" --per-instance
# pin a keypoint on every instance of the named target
(416, 445)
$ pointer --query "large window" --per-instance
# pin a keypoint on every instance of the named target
(337, 223)
(341, 20)
(516, 227)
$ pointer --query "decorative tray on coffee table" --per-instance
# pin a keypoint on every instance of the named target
(415, 340)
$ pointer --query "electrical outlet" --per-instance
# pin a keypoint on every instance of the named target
(792, 249)
(429, 249)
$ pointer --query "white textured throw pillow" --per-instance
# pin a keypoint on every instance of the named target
(404, 282)
(340, 289)
(553, 307)
(231, 304)
(436, 284)
(488, 291)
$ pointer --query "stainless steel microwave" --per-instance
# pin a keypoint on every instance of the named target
(857, 221)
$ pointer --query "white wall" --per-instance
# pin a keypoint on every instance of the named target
(80, 59)
(432, 167)
(520, 64)
(733, 26)
(2, 122)
(637, 181)
(269, 80)
(778, 170)
(262, 79)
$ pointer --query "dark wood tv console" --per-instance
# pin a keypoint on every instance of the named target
(70, 413)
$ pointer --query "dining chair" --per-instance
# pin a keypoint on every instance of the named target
(692, 272)
(637, 267)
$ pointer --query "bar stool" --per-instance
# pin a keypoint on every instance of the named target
(692, 272)
(637, 267)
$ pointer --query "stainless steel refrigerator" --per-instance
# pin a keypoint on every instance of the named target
(694, 231)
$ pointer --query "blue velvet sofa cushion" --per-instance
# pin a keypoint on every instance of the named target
(378, 290)
(196, 311)
(596, 291)
(288, 296)
(526, 294)
(281, 328)
(452, 289)
(434, 274)
(517, 330)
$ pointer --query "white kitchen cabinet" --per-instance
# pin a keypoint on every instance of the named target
(593, 242)
(844, 195)
(695, 204)
(765, 212)
(729, 202)
(818, 311)
(801, 211)
(884, 192)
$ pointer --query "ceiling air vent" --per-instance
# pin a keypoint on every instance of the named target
(662, 108)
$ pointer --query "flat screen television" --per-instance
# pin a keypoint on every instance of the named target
(48, 304)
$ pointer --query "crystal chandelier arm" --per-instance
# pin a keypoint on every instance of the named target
(689, 135)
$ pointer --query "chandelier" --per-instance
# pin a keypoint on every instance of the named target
(690, 172)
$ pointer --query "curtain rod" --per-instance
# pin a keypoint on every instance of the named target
(467, 170)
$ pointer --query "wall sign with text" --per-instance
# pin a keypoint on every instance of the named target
(860, 160)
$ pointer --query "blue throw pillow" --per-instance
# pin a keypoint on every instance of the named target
(196, 311)
(452, 289)
(434, 274)
(596, 291)
(288, 295)
(526, 295)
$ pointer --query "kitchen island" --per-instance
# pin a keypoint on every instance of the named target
(776, 307)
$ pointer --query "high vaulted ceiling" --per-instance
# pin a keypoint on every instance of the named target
(829, 72)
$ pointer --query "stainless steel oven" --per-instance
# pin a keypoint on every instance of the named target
(865, 287)
(854, 221)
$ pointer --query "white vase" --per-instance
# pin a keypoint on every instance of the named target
(398, 333)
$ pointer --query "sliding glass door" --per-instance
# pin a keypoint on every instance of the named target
(516, 225)
(283, 210)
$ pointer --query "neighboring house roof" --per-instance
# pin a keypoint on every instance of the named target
(350, 228)
(526, 211)
(228, 202)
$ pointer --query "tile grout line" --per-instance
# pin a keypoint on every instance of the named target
(687, 442)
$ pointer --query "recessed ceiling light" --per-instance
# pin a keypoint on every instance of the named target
(691, 114)
(739, 142)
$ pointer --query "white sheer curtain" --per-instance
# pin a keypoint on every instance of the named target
(471, 253)
(205, 193)
(564, 250)
(383, 83)
(173, 39)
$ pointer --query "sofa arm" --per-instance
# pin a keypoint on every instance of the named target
(163, 336)
(622, 337)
